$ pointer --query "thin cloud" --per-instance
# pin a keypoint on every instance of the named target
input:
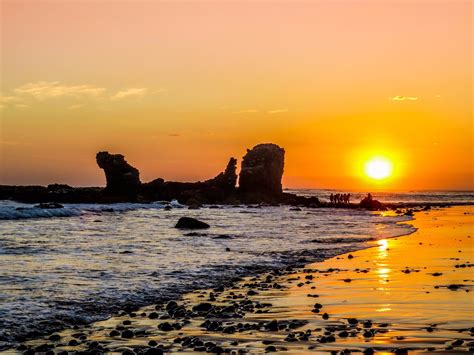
(281, 110)
(132, 92)
(75, 107)
(54, 89)
(404, 98)
(7, 99)
(246, 111)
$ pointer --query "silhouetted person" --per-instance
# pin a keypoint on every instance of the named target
(331, 199)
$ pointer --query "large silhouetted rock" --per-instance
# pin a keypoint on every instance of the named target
(262, 170)
(122, 178)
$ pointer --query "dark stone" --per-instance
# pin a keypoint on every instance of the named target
(122, 178)
(370, 204)
(270, 349)
(165, 327)
(153, 315)
(262, 170)
(191, 223)
(203, 307)
(55, 337)
(127, 334)
(272, 326)
(153, 351)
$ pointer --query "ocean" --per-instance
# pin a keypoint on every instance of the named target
(81, 263)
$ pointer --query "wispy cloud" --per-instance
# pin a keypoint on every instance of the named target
(404, 98)
(281, 110)
(132, 92)
(54, 89)
(246, 111)
(75, 107)
(40, 91)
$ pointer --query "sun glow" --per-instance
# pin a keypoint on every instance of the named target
(378, 168)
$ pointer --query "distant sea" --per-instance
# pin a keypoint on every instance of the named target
(83, 262)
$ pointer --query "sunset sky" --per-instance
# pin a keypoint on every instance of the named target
(179, 87)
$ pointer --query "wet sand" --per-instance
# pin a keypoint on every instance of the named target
(412, 293)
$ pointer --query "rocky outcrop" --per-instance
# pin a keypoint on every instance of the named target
(122, 178)
(262, 170)
(216, 190)
(369, 203)
(260, 182)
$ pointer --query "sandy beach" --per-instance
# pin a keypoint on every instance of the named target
(405, 294)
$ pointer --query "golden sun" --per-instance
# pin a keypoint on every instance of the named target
(378, 168)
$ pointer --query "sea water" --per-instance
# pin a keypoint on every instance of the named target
(81, 263)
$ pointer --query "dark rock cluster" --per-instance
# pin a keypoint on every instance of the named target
(259, 182)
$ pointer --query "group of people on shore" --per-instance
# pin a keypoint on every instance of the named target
(339, 199)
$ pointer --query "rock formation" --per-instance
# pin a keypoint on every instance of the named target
(262, 170)
(122, 178)
(216, 190)
(370, 204)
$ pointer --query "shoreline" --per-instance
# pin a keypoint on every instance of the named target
(243, 271)
(260, 285)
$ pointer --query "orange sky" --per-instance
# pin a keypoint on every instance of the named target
(179, 87)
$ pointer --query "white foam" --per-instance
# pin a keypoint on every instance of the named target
(15, 210)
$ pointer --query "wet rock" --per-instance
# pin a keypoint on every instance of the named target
(165, 327)
(191, 223)
(153, 315)
(270, 349)
(373, 205)
(203, 307)
(114, 333)
(352, 321)
(272, 326)
(262, 170)
(153, 351)
(55, 337)
(127, 334)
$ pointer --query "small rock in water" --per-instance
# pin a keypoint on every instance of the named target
(191, 223)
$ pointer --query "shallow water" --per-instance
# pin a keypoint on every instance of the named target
(56, 272)
(413, 312)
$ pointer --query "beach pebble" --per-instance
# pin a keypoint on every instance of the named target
(272, 326)
(153, 315)
(127, 333)
(114, 333)
(203, 307)
(165, 327)
(352, 321)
